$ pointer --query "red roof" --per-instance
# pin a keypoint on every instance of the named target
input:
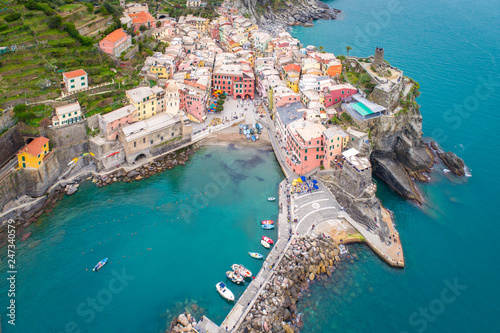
(77, 73)
(35, 147)
(115, 35)
(292, 67)
(141, 17)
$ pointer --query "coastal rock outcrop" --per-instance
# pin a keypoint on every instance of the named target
(270, 14)
(453, 162)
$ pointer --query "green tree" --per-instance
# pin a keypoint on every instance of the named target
(219, 108)
(12, 17)
(220, 102)
(158, 24)
(143, 28)
(55, 22)
(364, 78)
(321, 48)
(90, 7)
(20, 108)
(348, 48)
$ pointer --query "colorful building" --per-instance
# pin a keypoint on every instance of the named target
(334, 141)
(142, 18)
(75, 80)
(67, 114)
(144, 100)
(115, 43)
(234, 80)
(338, 93)
(31, 156)
(304, 146)
(110, 123)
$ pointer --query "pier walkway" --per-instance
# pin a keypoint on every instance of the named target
(246, 301)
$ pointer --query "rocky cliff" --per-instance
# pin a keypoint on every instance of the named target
(399, 153)
(269, 13)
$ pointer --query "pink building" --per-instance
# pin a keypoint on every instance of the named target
(110, 123)
(334, 142)
(304, 146)
(337, 93)
(193, 100)
(115, 43)
(237, 81)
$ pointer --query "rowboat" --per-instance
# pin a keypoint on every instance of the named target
(267, 240)
(224, 291)
(256, 255)
(267, 222)
(240, 269)
(267, 226)
(235, 277)
(271, 199)
(265, 244)
(100, 264)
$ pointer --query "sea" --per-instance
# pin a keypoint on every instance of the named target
(451, 279)
(170, 238)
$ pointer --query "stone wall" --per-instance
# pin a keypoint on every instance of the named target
(7, 119)
(390, 98)
(99, 24)
(66, 135)
(10, 143)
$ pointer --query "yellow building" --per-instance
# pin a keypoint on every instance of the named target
(292, 82)
(31, 156)
(160, 69)
(144, 100)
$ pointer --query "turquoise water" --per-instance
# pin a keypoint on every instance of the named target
(169, 238)
(451, 49)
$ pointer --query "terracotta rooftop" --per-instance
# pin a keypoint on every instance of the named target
(115, 35)
(35, 147)
(141, 17)
(77, 73)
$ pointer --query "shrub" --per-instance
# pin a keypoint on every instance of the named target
(143, 28)
(55, 22)
(90, 7)
(3, 26)
(85, 41)
(364, 78)
(20, 108)
(220, 102)
(12, 17)
(219, 108)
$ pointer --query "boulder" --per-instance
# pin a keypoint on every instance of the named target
(311, 276)
(287, 328)
(132, 174)
(182, 319)
(453, 162)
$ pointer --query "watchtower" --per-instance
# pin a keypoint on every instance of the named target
(379, 56)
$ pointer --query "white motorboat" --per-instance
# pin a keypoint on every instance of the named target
(265, 244)
(224, 291)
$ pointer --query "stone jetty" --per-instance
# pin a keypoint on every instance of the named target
(275, 310)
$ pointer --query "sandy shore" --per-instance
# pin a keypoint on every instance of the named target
(231, 135)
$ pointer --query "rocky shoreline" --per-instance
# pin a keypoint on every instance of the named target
(289, 13)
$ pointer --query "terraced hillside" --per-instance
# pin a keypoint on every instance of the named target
(36, 55)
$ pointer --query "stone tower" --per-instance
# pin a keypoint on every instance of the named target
(379, 56)
(172, 98)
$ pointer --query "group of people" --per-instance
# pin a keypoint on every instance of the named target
(304, 187)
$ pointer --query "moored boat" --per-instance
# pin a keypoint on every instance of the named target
(224, 291)
(267, 226)
(267, 240)
(267, 222)
(235, 277)
(271, 199)
(240, 269)
(100, 264)
(255, 255)
(265, 244)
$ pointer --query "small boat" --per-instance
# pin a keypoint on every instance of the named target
(235, 277)
(240, 269)
(224, 291)
(267, 222)
(265, 244)
(267, 226)
(100, 264)
(343, 249)
(256, 255)
(267, 240)
(271, 199)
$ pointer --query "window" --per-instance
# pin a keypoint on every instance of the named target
(39, 162)
(83, 83)
(72, 80)
(23, 159)
(151, 141)
(337, 146)
(24, 165)
(64, 116)
(330, 154)
(305, 158)
(73, 86)
(82, 78)
(317, 149)
(306, 151)
(135, 145)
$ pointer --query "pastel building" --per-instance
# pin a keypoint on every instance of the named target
(144, 100)
(234, 81)
(304, 146)
(334, 141)
(338, 93)
(115, 43)
(110, 123)
(194, 99)
(67, 114)
(172, 98)
(142, 18)
(75, 80)
(31, 156)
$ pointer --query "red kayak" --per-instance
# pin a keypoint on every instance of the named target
(267, 240)
(267, 222)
